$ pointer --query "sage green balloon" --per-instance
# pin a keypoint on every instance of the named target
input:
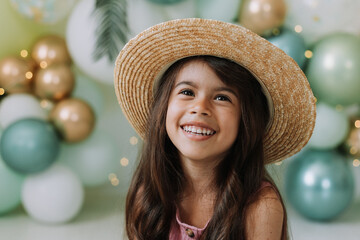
(29, 145)
(10, 188)
(319, 184)
(331, 127)
(334, 69)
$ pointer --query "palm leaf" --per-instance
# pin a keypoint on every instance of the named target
(112, 30)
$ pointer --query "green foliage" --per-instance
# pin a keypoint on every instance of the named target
(112, 31)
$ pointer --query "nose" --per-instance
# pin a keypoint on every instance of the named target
(201, 106)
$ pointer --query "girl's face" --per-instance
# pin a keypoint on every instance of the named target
(203, 114)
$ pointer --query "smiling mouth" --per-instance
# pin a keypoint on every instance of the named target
(198, 130)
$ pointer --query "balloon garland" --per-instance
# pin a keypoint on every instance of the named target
(38, 113)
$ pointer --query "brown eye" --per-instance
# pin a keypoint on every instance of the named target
(222, 98)
(187, 92)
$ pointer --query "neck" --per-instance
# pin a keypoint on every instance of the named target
(199, 175)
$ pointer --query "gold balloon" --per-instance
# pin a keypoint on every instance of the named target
(261, 16)
(50, 50)
(74, 119)
(352, 143)
(55, 82)
(16, 74)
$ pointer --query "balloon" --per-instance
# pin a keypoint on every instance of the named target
(318, 18)
(93, 159)
(292, 44)
(89, 90)
(50, 49)
(331, 127)
(261, 16)
(333, 71)
(73, 118)
(10, 188)
(43, 11)
(55, 82)
(53, 196)
(29, 145)
(18, 106)
(143, 14)
(16, 74)
(223, 10)
(319, 184)
(81, 40)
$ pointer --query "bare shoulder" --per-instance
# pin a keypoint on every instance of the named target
(264, 217)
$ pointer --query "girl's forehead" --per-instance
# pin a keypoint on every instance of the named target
(196, 70)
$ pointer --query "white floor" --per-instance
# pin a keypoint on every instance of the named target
(102, 219)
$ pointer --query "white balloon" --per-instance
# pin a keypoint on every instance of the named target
(223, 10)
(19, 106)
(53, 196)
(331, 128)
(321, 17)
(81, 42)
(143, 14)
(93, 159)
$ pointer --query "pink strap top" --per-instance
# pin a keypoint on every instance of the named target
(183, 231)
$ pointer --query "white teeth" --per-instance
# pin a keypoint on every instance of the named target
(198, 130)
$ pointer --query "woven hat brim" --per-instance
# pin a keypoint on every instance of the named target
(144, 57)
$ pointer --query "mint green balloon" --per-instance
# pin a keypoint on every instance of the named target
(331, 127)
(292, 44)
(223, 10)
(319, 184)
(10, 188)
(29, 145)
(334, 69)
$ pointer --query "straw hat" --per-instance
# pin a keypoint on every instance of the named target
(146, 57)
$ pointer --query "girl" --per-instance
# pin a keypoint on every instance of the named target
(226, 102)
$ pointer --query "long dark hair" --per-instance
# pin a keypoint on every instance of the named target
(159, 178)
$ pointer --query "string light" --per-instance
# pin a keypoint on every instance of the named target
(2, 91)
(356, 163)
(43, 64)
(316, 18)
(275, 31)
(46, 104)
(29, 75)
(114, 181)
(124, 162)
(298, 28)
(308, 54)
(353, 150)
(133, 140)
(24, 53)
(111, 176)
(339, 108)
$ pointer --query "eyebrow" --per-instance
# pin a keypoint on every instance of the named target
(227, 89)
